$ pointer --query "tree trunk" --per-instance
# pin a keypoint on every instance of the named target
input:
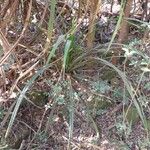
(124, 28)
(123, 33)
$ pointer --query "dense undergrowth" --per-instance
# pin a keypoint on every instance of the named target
(70, 79)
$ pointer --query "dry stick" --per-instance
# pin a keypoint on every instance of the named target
(29, 49)
(9, 52)
(40, 125)
(27, 125)
(92, 145)
(22, 75)
(22, 145)
(43, 15)
(62, 9)
(4, 58)
(4, 42)
(39, 128)
(28, 99)
(2, 73)
(5, 7)
(6, 46)
(12, 12)
(54, 104)
(33, 60)
(73, 143)
(7, 115)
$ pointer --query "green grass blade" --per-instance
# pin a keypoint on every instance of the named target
(123, 2)
(20, 98)
(51, 23)
(60, 40)
(66, 54)
(71, 114)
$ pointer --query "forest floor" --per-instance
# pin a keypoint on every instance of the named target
(93, 104)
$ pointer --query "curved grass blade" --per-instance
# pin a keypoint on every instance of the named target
(31, 81)
(71, 113)
(129, 87)
(60, 40)
(20, 98)
(66, 53)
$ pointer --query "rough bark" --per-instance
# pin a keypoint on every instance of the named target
(124, 31)
(124, 28)
(94, 10)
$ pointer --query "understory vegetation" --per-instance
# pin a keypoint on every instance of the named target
(75, 74)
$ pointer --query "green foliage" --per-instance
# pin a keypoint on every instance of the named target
(147, 86)
(132, 115)
(137, 58)
(71, 51)
(98, 105)
(144, 144)
(57, 93)
(123, 130)
(118, 93)
(100, 87)
(39, 98)
(108, 75)
(67, 52)
(42, 137)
